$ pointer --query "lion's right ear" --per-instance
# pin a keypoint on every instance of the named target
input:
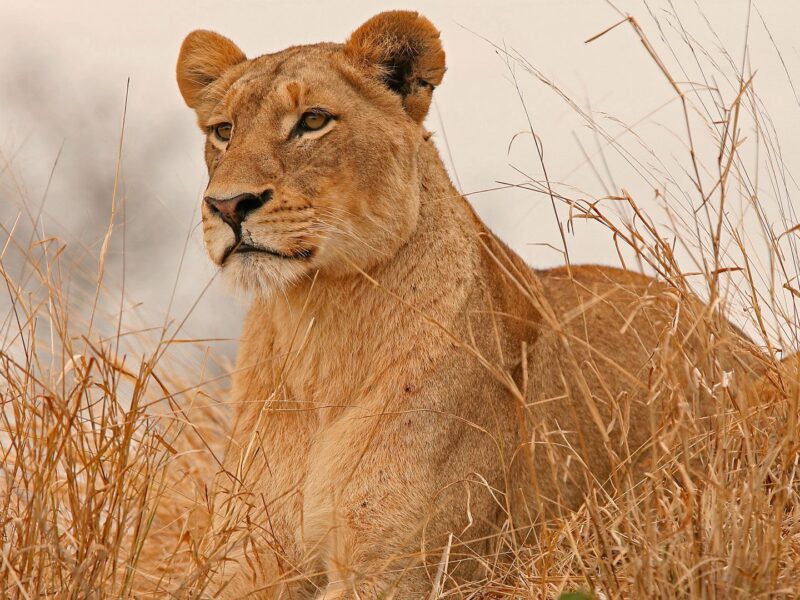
(204, 56)
(403, 51)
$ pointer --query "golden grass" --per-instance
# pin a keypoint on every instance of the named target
(110, 441)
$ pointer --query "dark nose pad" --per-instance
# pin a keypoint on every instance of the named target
(235, 210)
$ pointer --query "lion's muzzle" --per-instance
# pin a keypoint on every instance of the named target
(235, 210)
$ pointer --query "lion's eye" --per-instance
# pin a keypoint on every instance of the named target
(312, 121)
(223, 131)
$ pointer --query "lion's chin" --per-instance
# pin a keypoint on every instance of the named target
(261, 275)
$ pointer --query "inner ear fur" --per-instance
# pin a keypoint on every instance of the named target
(203, 58)
(401, 49)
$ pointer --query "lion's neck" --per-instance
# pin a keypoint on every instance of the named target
(347, 334)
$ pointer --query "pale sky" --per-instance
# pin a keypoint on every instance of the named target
(64, 67)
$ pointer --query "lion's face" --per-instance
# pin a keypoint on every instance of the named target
(311, 151)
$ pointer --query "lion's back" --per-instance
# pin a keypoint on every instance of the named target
(615, 359)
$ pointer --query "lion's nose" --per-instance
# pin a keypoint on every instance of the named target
(235, 210)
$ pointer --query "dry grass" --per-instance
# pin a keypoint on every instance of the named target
(109, 439)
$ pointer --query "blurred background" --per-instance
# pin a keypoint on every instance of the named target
(66, 69)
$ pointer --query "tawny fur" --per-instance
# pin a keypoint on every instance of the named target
(409, 384)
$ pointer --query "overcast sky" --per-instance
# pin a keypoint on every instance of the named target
(64, 68)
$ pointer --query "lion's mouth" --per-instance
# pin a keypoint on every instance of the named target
(244, 248)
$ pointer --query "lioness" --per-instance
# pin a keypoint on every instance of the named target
(407, 388)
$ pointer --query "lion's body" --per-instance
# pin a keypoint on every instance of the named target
(425, 396)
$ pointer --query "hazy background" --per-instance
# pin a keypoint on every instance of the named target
(64, 67)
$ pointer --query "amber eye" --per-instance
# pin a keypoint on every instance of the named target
(223, 131)
(312, 121)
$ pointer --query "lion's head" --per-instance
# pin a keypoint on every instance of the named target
(311, 151)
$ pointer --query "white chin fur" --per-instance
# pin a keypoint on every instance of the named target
(261, 275)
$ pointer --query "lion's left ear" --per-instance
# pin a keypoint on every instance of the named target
(204, 57)
(403, 50)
